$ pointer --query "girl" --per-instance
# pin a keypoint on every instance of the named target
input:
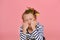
(31, 29)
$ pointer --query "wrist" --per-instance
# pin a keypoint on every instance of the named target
(34, 28)
(24, 31)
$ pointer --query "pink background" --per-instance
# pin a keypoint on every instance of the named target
(10, 17)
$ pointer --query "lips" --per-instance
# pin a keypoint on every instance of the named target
(29, 24)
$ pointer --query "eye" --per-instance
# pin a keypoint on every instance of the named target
(26, 20)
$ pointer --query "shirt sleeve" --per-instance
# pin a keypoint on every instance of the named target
(38, 33)
(22, 35)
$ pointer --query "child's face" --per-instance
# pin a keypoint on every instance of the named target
(29, 18)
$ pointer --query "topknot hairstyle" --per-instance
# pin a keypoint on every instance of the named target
(32, 11)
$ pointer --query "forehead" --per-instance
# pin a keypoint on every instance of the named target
(28, 16)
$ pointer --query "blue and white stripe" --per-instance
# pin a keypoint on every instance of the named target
(37, 34)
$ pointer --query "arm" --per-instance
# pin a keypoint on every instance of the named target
(38, 33)
(22, 35)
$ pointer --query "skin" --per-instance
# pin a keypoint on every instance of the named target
(29, 22)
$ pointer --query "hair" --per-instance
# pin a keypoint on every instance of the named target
(32, 11)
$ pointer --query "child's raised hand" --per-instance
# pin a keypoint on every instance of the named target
(33, 24)
(25, 26)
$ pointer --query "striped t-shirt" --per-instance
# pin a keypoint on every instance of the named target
(37, 34)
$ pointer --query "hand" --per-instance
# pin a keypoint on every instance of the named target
(33, 24)
(25, 26)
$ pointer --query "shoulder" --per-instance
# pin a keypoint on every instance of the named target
(21, 28)
(39, 25)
